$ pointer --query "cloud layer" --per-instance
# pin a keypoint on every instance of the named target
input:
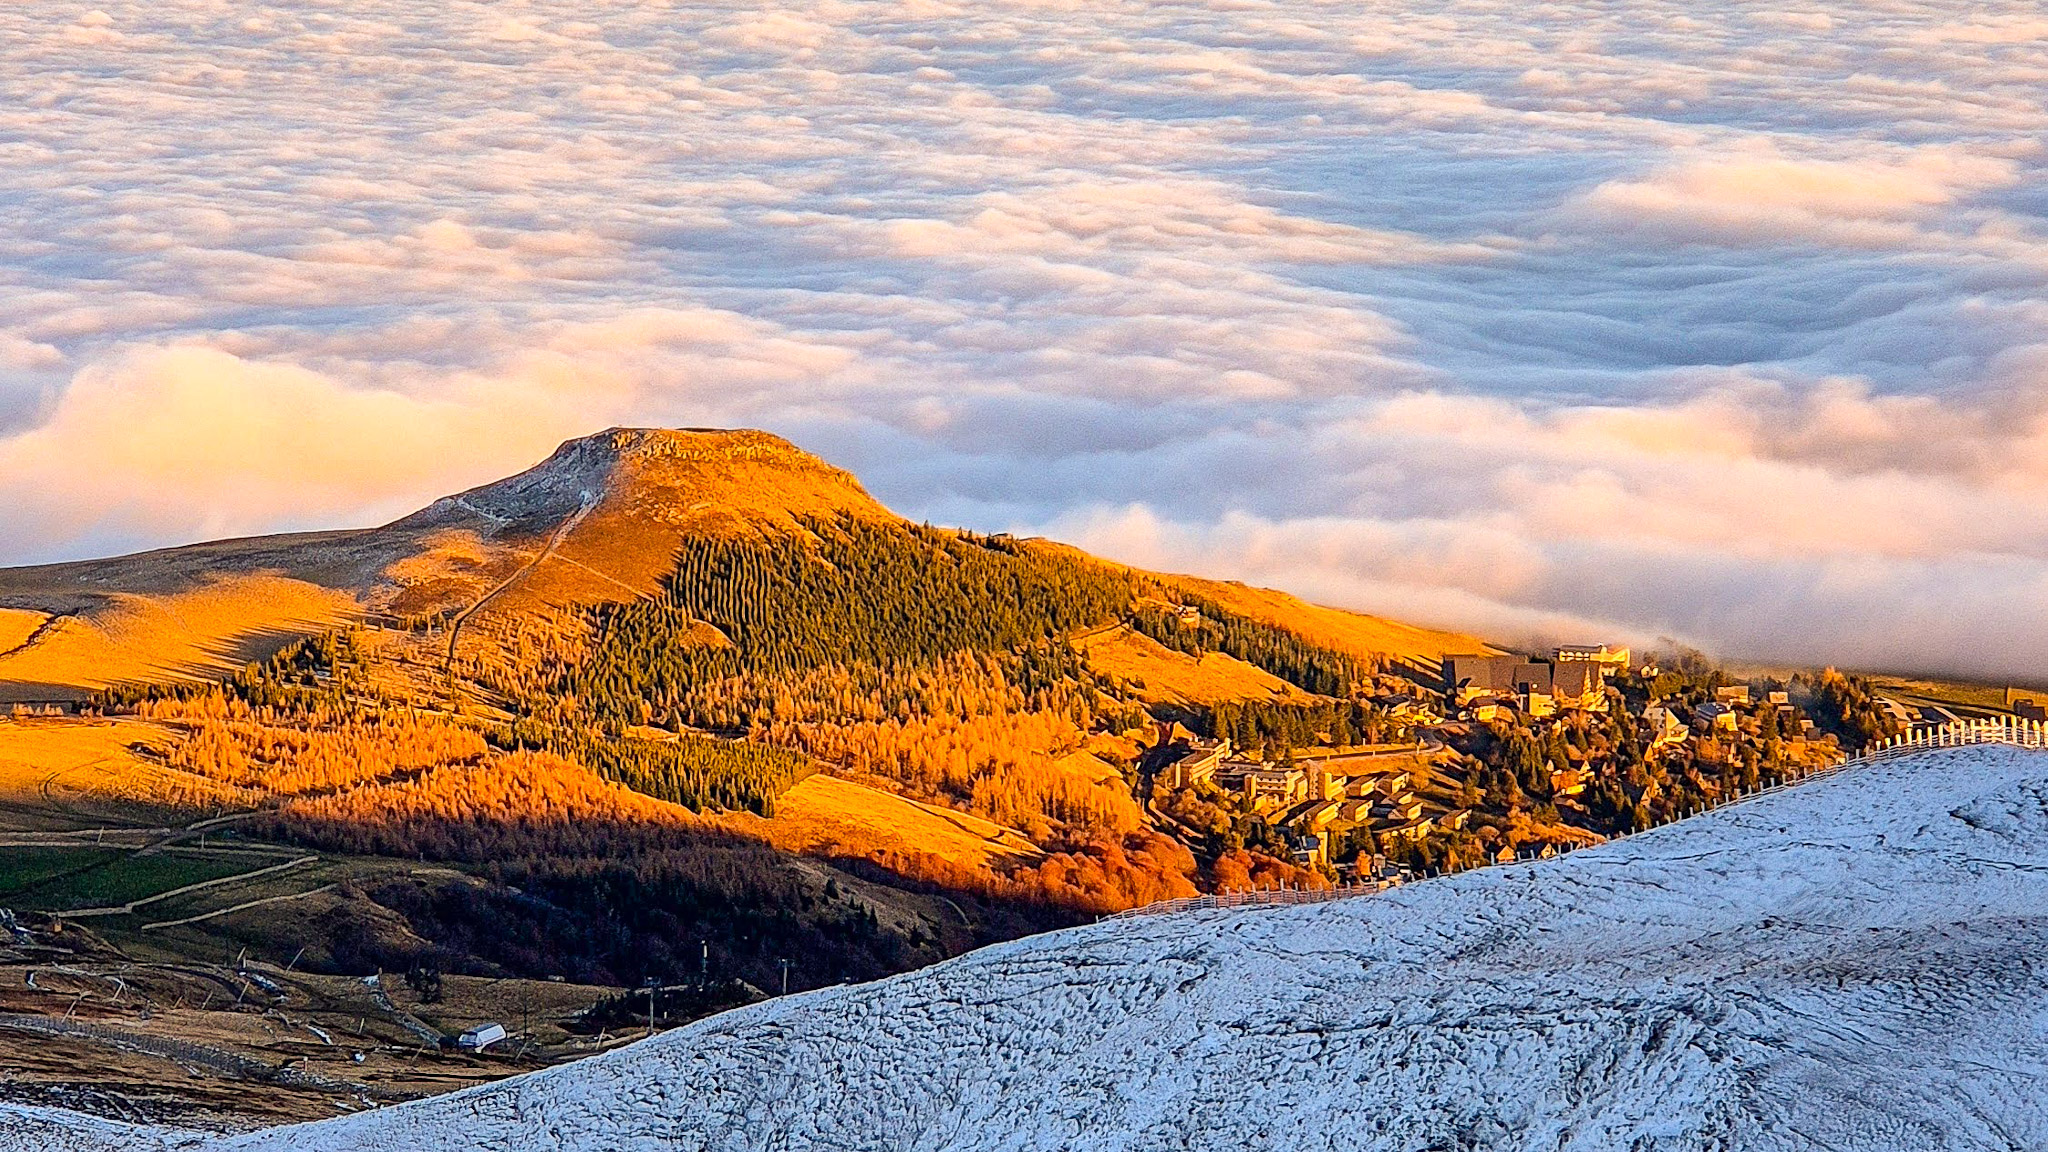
(1569, 320)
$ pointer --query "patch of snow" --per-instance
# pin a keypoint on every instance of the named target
(1854, 964)
(30, 1128)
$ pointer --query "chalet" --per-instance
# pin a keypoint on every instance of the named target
(1780, 699)
(1354, 811)
(1568, 782)
(1732, 694)
(1664, 725)
(1607, 660)
(1469, 677)
(1407, 710)
(1579, 686)
(1189, 615)
(1456, 819)
(1714, 717)
(1489, 708)
(2030, 709)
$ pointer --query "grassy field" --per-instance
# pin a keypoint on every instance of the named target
(66, 773)
(1965, 699)
(1160, 675)
(17, 625)
(64, 879)
(825, 815)
(205, 632)
(1372, 637)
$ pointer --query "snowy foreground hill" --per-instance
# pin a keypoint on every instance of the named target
(1856, 963)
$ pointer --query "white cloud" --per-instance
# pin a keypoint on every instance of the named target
(1757, 195)
(1638, 320)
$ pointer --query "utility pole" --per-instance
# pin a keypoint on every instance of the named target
(704, 966)
(651, 986)
(785, 976)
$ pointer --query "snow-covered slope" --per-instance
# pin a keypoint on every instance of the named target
(1857, 963)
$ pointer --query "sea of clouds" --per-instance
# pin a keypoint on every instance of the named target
(1721, 322)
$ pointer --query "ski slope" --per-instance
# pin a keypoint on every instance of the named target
(1856, 963)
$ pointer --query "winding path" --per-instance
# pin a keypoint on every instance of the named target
(555, 539)
(132, 905)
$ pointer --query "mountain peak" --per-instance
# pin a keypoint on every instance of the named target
(607, 513)
(669, 475)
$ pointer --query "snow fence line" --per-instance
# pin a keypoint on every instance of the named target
(2031, 734)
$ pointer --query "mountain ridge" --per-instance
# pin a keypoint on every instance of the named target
(599, 520)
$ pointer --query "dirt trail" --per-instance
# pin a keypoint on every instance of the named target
(247, 904)
(555, 539)
(132, 905)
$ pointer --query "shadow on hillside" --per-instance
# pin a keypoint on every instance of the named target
(619, 903)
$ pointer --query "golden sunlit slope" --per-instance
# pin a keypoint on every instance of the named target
(202, 633)
(49, 765)
(17, 625)
(1353, 632)
(827, 816)
(1159, 675)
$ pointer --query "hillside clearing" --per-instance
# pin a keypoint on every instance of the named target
(1160, 675)
(827, 816)
(202, 633)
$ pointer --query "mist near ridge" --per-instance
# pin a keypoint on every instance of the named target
(1539, 321)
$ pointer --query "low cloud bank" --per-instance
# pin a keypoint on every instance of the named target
(1601, 323)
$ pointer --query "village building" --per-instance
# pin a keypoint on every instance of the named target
(1391, 784)
(1714, 717)
(1321, 815)
(1414, 829)
(1197, 765)
(1470, 677)
(1610, 661)
(1664, 725)
(1486, 709)
(1404, 808)
(1732, 694)
(1265, 783)
(1579, 686)
(1309, 851)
